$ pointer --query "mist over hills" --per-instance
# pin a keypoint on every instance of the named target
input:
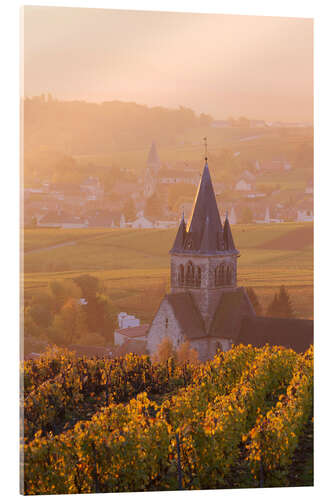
(79, 127)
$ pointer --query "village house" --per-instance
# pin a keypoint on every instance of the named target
(93, 188)
(258, 124)
(220, 124)
(274, 165)
(63, 220)
(130, 336)
(165, 224)
(304, 216)
(143, 222)
(175, 176)
(138, 333)
(103, 218)
(157, 176)
(205, 305)
(243, 185)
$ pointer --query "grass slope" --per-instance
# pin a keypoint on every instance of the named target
(134, 264)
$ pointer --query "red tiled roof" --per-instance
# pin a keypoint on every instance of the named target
(134, 331)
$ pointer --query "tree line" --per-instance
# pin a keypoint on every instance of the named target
(79, 127)
(280, 306)
(69, 312)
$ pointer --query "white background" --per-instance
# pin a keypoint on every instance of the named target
(321, 11)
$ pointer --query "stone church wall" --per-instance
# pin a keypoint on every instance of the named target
(206, 296)
(164, 325)
(207, 348)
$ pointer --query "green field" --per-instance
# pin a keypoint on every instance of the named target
(134, 264)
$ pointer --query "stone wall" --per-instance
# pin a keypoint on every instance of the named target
(207, 348)
(207, 265)
(164, 324)
(206, 296)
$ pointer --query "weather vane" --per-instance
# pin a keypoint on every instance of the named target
(205, 142)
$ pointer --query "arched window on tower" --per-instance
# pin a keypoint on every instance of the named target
(232, 273)
(181, 275)
(198, 277)
(228, 275)
(189, 276)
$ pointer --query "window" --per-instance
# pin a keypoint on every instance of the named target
(166, 322)
(181, 275)
(229, 275)
(219, 275)
(189, 278)
(198, 277)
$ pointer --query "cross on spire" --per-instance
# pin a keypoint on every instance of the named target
(205, 143)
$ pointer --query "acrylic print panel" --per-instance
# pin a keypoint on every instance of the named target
(167, 310)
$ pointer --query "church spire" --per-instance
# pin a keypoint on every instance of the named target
(228, 240)
(178, 245)
(204, 233)
(204, 213)
(153, 160)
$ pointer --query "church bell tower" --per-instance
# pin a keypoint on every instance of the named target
(203, 256)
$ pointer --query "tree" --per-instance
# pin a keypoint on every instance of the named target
(90, 338)
(61, 291)
(102, 317)
(70, 324)
(186, 354)
(281, 305)
(129, 210)
(41, 309)
(205, 120)
(254, 300)
(89, 285)
(31, 329)
(164, 351)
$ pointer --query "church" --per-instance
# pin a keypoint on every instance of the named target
(205, 305)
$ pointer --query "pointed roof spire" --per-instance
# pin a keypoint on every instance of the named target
(227, 236)
(205, 206)
(178, 244)
(207, 242)
(204, 233)
(153, 159)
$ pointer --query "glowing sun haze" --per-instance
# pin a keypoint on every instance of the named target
(259, 67)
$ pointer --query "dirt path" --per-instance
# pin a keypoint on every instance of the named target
(36, 250)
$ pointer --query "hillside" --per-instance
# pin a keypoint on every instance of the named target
(133, 263)
(241, 420)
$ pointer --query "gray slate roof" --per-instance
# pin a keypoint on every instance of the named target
(296, 334)
(187, 314)
(204, 231)
(235, 318)
(233, 307)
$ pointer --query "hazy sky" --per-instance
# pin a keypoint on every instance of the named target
(259, 67)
